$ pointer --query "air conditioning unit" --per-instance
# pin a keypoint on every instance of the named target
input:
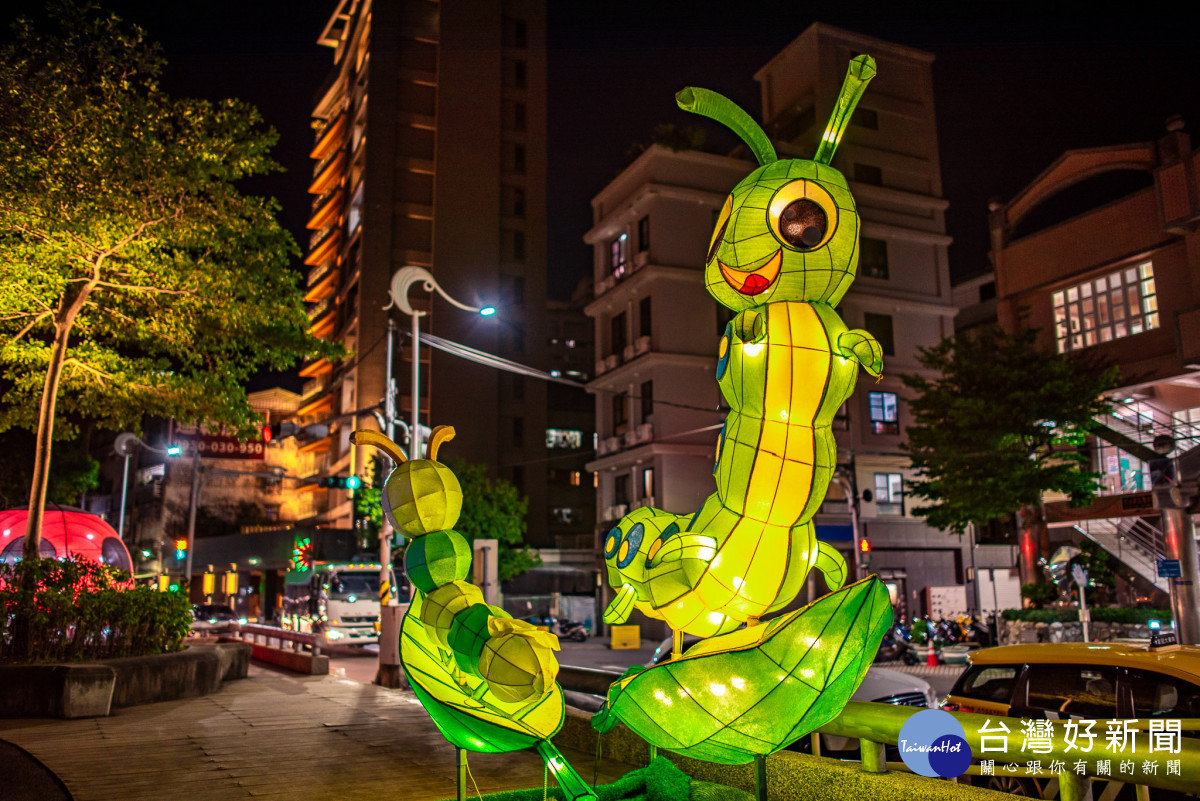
(640, 260)
(612, 361)
(616, 512)
(631, 438)
(604, 285)
(602, 447)
(641, 345)
(645, 432)
(647, 501)
(613, 444)
(600, 368)
(628, 352)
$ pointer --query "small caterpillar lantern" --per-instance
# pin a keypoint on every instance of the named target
(488, 681)
(783, 253)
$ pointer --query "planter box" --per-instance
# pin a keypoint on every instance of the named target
(93, 689)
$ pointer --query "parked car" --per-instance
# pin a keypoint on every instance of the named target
(1088, 681)
(881, 685)
(210, 617)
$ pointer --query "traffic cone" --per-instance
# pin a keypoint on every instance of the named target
(932, 661)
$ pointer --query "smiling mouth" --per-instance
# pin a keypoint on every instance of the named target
(753, 282)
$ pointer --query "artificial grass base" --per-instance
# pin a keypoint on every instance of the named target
(658, 781)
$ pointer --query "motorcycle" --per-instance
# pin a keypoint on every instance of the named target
(566, 629)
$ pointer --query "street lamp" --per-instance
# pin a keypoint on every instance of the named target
(388, 674)
(402, 281)
(126, 445)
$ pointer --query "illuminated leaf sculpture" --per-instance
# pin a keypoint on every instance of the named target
(783, 253)
(753, 691)
(486, 680)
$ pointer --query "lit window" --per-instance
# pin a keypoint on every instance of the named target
(1120, 304)
(576, 478)
(884, 412)
(889, 492)
(565, 438)
(618, 255)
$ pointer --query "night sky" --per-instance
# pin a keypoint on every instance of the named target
(1012, 92)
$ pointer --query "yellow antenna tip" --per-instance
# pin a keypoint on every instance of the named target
(437, 437)
(379, 440)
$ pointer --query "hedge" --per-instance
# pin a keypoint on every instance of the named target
(1101, 614)
(75, 609)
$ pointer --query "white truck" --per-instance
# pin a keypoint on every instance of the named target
(339, 601)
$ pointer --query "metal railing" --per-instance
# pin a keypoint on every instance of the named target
(271, 636)
(1132, 540)
(876, 726)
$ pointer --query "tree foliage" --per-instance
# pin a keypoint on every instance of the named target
(134, 277)
(75, 471)
(998, 428)
(494, 509)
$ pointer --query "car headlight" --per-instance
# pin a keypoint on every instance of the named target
(333, 635)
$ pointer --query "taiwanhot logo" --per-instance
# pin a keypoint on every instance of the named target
(932, 743)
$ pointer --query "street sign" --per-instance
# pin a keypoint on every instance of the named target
(1080, 575)
(216, 446)
(1169, 568)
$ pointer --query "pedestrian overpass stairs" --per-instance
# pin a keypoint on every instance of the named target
(1133, 541)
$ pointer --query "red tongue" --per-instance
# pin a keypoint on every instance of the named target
(755, 283)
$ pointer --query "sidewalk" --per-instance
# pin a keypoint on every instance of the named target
(269, 736)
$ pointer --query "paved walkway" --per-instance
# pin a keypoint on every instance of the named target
(271, 736)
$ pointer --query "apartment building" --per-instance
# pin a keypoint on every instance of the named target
(657, 328)
(1118, 281)
(429, 151)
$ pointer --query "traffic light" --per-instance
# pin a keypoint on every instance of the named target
(864, 551)
(340, 482)
(180, 547)
(279, 430)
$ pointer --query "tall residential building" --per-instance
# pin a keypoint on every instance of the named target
(429, 151)
(657, 328)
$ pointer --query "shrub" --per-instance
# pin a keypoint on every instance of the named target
(1099, 615)
(1038, 594)
(76, 609)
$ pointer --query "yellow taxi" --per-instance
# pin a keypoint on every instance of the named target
(1080, 680)
(1088, 681)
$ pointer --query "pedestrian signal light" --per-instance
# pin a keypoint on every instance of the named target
(864, 545)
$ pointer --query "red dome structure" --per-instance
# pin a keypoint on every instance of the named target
(66, 532)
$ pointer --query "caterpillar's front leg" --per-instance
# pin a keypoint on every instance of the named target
(859, 345)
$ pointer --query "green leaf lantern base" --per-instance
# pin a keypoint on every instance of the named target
(749, 693)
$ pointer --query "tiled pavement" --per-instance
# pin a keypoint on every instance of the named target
(271, 736)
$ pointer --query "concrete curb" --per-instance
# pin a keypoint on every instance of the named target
(93, 689)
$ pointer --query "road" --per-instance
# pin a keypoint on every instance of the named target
(359, 664)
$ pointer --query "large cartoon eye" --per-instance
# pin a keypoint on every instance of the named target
(610, 543)
(719, 229)
(802, 215)
(629, 545)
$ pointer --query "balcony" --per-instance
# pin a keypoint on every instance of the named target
(326, 246)
(324, 288)
(329, 136)
(327, 173)
(325, 208)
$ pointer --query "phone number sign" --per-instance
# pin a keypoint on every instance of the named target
(215, 446)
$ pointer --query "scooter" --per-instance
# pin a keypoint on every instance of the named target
(568, 629)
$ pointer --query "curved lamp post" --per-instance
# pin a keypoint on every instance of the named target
(402, 281)
(126, 444)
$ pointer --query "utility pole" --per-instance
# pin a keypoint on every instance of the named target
(388, 672)
(193, 502)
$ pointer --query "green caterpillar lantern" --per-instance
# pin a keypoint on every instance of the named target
(783, 253)
(487, 680)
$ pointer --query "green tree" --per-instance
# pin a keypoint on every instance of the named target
(367, 509)
(134, 277)
(999, 427)
(75, 471)
(494, 509)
